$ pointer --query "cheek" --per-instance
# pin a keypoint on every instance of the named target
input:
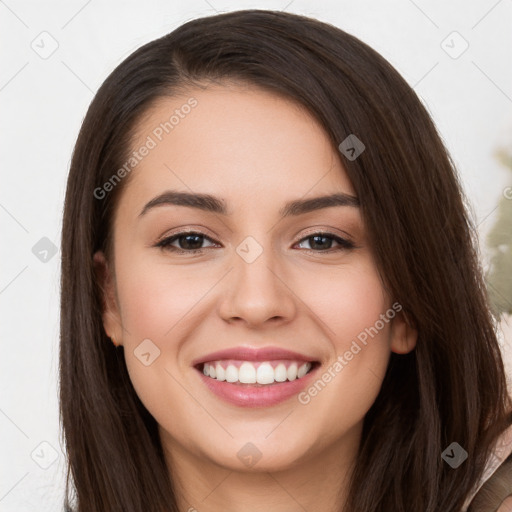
(154, 298)
(353, 310)
(160, 303)
(166, 302)
(362, 330)
(171, 304)
(349, 302)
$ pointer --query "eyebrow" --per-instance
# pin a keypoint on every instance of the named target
(214, 204)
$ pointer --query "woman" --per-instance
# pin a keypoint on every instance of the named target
(270, 295)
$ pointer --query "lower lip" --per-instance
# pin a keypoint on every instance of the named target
(248, 395)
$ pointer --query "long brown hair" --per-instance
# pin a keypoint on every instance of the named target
(451, 388)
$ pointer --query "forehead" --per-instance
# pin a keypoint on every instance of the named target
(235, 142)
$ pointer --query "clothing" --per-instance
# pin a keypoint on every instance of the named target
(502, 450)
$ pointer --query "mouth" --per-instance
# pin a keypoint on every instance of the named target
(256, 377)
(256, 373)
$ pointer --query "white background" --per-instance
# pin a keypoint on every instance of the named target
(44, 100)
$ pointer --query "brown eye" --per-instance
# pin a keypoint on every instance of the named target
(322, 242)
(189, 241)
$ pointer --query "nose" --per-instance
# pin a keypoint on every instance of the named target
(258, 292)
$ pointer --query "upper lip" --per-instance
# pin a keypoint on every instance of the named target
(253, 354)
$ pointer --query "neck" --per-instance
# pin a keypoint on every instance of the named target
(316, 482)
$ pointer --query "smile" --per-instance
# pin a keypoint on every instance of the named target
(249, 377)
(248, 372)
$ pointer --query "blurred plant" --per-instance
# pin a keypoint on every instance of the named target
(499, 241)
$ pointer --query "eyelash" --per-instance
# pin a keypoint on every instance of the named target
(165, 243)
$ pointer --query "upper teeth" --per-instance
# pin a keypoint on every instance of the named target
(251, 373)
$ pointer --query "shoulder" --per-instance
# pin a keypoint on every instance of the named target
(496, 483)
(494, 491)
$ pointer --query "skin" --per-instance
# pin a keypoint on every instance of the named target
(256, 151)
(506, 505)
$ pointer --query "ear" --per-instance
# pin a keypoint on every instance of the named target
(110, 309)
(403, 334)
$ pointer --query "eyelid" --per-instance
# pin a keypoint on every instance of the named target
(186, 230)
(165, 241)
(344, 242)
(326, 231)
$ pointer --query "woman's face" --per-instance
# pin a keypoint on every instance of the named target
(282, 284)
